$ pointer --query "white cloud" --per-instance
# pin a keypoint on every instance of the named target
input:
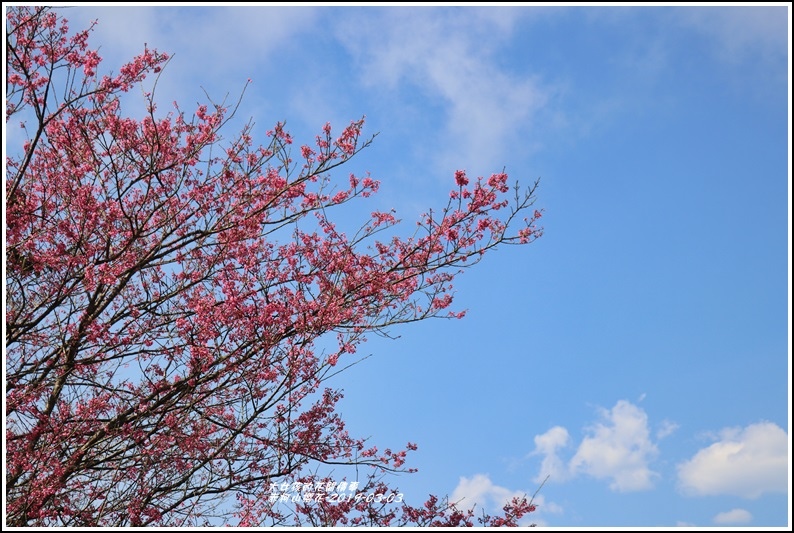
(744, 462)
(547, 445)
(619, 449)
(733, 517)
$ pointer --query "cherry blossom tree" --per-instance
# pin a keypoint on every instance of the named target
(170, 296)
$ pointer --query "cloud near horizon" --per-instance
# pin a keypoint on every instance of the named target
(481, 493)
(734, 517)
(745, 462)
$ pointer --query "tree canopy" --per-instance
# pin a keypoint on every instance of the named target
(166, 290)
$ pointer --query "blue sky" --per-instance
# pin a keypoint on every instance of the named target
(639, 352)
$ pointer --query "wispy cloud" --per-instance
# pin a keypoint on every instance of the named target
(734, 517)
(746, 462)
(665, 429)
(216, 48)
(448, 56)
(741, 32)
(207, 40)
